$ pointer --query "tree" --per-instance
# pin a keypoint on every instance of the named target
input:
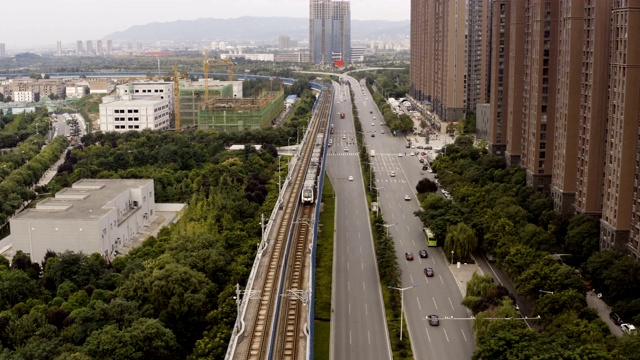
(461, 240)
(15, 287)
(426, 185)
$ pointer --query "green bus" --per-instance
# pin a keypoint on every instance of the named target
(429, 237)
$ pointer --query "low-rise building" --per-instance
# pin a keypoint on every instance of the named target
(25, 96)
(93, 216)
(135, 113)
(77, 91)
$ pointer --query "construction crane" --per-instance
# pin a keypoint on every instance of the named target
(207, 63)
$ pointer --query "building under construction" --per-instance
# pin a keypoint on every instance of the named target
(232, 114)
(192, 96)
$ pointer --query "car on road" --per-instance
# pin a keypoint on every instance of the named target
(419, 147)
(428, 272)
(425, 167)
(423, 254)
(373, 124)
(381, 131)
(344, 137)
(407, 198)
(370, 111)
(399, 154)
(392, 174)
(350, 178)
(412, 153)
(615, 318)
(628, 328)
(433, 320)
(373, 134)
(429, 170)
(346, 149)
(408, 256)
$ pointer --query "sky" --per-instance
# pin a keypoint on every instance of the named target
(43, 22)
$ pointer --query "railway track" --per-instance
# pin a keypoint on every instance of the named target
(260, 337)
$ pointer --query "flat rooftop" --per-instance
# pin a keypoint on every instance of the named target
(85, 200)
(138, 101)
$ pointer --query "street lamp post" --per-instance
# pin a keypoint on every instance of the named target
(288, 140)
(402, 302)
(452, 256)
(545, 292)
(388, 226)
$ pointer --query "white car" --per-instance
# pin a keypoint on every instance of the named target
(373, 124)
(628, 328)
(350, 178)
(346, 149)
(392, 174)
(407, 198)
(344, 137)
(400, 155)
(429, 170)
(412, 153)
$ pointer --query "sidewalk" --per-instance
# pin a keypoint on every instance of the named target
(463, 275)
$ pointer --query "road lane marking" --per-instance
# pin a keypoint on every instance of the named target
(440, 276)
(418, 300)
(450, 302)
(404, 216)
(369, 337)
(463, 335)
(366, 309)
(408, 228)
(434, 302)
(362, 266)
(348, 285)
(360, 249)
(414, 243)
(490, 267)
(401, 242)
(364, 286)
(350, 340)
(349, 309)
(411, 277)
(428, 337)
(445, 334)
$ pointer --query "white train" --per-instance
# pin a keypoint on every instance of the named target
(310, 186)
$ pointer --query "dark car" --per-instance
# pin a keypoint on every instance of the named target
(408, 256)
(423, 254)
(433, 320)
(428, 272)
(615, 318)
(425, 167)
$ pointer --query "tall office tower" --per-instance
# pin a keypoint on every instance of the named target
(341, 39)
(79, 47)
(439, 74)
(90, 46)
(59, 48)
(620, 208)
(329, 31)
(593, 113)
(539, 96)
(99, 49)
(3, 52)
(138, 47)
(568, 104)
(109, 47)
(515, 84)
(499, 99)
(284, 42)
(479, 53)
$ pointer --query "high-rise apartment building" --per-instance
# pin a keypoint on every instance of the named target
(329, 31)
(499, 99)
(439, 31)
(59, 48)
(478, 52)
(109, 47)
(90, 46)
(567, 114)
(539, 95)
(99, 49)
(79, 47)
(515, 88)
(620, 208)
(3, 52)
(593, 109)
(284, 42)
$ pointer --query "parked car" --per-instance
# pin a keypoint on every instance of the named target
(628, 328)
(433, 320)
(408, 256)
(615, 318)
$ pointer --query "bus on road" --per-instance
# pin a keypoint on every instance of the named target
(429, 237)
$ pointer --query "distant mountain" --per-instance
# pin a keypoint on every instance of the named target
(249, 28)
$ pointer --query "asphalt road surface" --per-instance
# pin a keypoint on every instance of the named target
(359, 329)
(439, 295)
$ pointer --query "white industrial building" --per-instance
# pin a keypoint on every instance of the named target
(138, 106)
(93, 216)
(77, 91)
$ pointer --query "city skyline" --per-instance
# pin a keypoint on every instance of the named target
(75, 20)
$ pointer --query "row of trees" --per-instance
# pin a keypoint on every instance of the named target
(493, 205)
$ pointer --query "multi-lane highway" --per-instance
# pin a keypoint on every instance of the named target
(440, 295)
(359, 329)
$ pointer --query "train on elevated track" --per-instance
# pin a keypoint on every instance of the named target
(310, 187)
